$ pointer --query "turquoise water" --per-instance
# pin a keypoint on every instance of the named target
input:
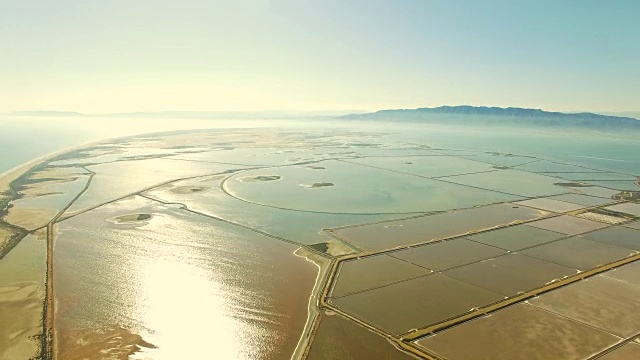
(356, 189)
(25, 138)
(428, 166)
(22, 140)
(300, 227)
(618, 153)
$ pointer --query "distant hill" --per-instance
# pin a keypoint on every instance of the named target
(482, 115)
(631, 114)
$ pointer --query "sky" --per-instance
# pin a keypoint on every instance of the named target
(325, 55)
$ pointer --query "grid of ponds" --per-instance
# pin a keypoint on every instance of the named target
(391, 234)
(582, 320)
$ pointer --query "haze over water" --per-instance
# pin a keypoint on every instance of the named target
(25, 138)
(312, 180)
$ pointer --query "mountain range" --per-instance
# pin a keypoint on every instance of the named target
(483, 115)
(450, 115)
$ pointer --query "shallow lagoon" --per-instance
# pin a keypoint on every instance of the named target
(427, 166)
(123, 178)
(124, 265)
(22, 277)
(338, 338)
(518, 183)
(177, 278)
(357, 189)
(407, 305)
(299, 227)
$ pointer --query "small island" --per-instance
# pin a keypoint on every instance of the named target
(188, 189)
(131, 218)
(259, 178)
(316, 185)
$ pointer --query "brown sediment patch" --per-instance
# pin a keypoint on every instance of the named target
(371, 272)
(447, 254)
(259, 178)
(516, 237)
(578, 253)
(188, 189)
(313, 167)
(510, 274)
(29, 218)
(630, 351)
(599, 301)
(532, 332)
(17, 291)
(109, 343)
(340, 338)
(415, 303)
(21, 319)
(316, 185)
(423, 229)
(131, 218)
(629, 273)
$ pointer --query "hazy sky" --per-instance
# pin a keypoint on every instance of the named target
(206, 55)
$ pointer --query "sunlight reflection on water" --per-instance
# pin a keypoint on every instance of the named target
(193, 288)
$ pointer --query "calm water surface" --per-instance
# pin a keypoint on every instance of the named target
(177, 283)
(181, 281)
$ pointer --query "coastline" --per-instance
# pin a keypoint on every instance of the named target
(313, 312)
(14, 173)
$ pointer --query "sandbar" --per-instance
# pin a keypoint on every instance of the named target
(259, 178)
(316, 185)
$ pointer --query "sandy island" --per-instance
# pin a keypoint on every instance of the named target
(131, 218)
(188, 189)
(259, 178)
(316, 185)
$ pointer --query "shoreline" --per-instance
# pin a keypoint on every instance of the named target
(7, 177)
(313, 311)
(14, 173)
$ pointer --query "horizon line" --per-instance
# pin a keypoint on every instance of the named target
(319, 113)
